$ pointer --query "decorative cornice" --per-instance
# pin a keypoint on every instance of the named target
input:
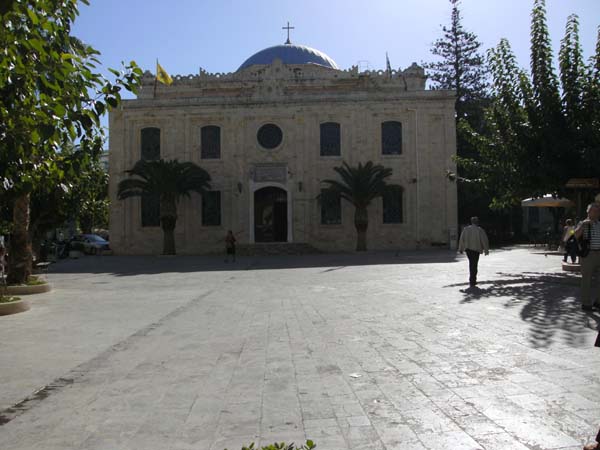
(275, 78)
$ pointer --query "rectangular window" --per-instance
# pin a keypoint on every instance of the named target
(210, 142)
(211, 209)
(330, 139)
(150, 151)
(331, 207)
(150, 210)
(391, 138)
(392, 207)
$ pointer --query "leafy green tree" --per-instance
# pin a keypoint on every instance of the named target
(51, 94)
(503, 143)
(534, 141)
(549, 147)
(168, 180)
(359, 186)
(572, 75)
(79, 194)
(462, 68)
(590, 131)
(91, 195)
(544, 79)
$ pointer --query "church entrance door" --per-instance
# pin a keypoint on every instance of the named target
(270, 215)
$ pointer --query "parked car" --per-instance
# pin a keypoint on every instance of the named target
(92, 243)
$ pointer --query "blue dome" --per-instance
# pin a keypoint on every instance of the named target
(290, 54)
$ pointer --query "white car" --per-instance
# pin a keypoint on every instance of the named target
(93, 244)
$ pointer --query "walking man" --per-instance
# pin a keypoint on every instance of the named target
(589, 230)
(474, 241)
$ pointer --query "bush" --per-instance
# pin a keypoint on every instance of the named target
(283, 446)
(34, 281)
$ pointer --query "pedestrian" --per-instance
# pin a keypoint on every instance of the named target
(473, 241)
(229, 246)
(589, 230)
(595, 445)
(569, 242)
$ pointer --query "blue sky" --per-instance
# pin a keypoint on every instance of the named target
(218, 35)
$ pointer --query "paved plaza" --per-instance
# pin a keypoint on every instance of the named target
(371, 351)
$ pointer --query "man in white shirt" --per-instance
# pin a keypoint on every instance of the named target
(589, 229)
(474, 241)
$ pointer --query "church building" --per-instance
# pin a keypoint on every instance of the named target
(269, 134)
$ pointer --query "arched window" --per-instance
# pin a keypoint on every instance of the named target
(391, 138)
(150, 143)
(392, 206)
(330, 139)
(210, 142)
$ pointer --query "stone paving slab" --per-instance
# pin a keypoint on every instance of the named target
(373, 351)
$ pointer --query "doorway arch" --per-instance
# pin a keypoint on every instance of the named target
(270, 214)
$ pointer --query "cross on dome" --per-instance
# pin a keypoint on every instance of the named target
(288, 28)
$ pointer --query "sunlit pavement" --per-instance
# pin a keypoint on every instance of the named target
(373, 351)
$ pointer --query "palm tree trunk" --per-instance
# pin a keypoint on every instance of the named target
(19, 255)
(168, 220)
(361, 222)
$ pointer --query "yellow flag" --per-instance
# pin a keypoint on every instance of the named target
(162, 75)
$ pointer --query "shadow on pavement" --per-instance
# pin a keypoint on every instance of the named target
(137, 265)
(549, 302)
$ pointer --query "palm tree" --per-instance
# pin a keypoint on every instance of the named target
(360, 186)
(169, 180)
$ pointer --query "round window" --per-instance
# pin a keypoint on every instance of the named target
(269, 136)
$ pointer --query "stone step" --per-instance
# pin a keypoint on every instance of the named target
(276, 248)
(570, 267)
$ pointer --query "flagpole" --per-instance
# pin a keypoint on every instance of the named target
(388, 67)
(155, 79)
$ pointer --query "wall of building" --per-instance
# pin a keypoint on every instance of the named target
(427, 117)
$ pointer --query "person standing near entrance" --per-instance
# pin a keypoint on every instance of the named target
(474, 241)
(229, 246)
(589, 229)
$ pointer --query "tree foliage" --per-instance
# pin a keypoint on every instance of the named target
(589, 131)
(462, 66)
(51, 94)
(572, 75)
(79, 195)
(503, 143)
(534, 140)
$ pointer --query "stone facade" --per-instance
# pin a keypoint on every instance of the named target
(296, 98)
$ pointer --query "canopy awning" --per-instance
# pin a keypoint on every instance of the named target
(583, 183)
(547, 201)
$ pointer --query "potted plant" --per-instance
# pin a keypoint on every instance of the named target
(34, 285)
(10, 304)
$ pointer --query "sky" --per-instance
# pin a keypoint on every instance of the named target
(218, 35)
